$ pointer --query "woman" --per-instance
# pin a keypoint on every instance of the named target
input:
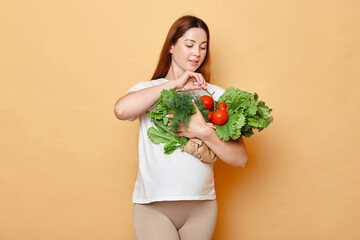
(174, 195)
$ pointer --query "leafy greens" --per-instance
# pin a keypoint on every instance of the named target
(181, 105)
(245, 113)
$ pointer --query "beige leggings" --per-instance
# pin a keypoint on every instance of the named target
(168, 220)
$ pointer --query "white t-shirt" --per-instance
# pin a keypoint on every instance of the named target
(178, 176)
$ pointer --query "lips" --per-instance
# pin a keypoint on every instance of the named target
(193, 62)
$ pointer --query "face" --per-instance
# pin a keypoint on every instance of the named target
(189, 51)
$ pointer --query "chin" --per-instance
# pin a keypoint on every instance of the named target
(193, 68)
(190, 68)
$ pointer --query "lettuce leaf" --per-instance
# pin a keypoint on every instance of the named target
(232, 128)
(162, 134)
(245, 112)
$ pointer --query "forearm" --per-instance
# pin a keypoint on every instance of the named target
(233, 153)
(133, 104)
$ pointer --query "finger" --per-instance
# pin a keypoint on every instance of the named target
(197, 109)
(196, 87)
(195, 105)
(183, 89)
(203, 81)
(178, 135)
(197, 79)
(190, 76)
(170, 115)
(198, 113)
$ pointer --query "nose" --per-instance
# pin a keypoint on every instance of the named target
(196, 51)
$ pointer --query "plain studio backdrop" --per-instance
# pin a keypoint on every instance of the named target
(68, 166)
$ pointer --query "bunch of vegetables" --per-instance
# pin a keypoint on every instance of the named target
(181, 105)
(236, 113)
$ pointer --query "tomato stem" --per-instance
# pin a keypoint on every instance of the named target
(211, 95)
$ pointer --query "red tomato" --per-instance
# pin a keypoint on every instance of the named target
(219, 117)
(207, 101)
(210, 113)
(223, 106)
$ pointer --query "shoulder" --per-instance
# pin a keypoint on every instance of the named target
(146, 84)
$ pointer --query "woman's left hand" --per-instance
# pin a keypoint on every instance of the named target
(196, 128)
(233, 153)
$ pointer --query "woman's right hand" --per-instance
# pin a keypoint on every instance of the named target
(131, 105)
(187, 81)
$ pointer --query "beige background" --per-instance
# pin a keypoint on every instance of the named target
(67, 165)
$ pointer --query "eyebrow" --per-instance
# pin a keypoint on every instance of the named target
(195, 41)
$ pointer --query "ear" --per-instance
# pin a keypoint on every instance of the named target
(171, 49)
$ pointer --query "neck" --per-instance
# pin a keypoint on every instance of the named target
(174, 72)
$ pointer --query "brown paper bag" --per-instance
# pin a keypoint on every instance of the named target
(200, 150)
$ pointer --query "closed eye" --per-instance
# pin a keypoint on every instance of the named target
(202, 48)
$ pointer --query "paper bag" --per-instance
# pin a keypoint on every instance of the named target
(200, 150)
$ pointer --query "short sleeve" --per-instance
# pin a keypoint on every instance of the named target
(137, 87)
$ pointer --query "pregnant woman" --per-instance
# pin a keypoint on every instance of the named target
(174, 195)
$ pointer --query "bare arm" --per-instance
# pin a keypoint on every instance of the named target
(131, 105)
(233, 153)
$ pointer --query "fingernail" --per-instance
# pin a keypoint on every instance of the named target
(167, 115)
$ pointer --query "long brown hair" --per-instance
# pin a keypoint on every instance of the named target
(176, 31)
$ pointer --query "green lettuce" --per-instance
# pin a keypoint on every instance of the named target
(245, 112)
